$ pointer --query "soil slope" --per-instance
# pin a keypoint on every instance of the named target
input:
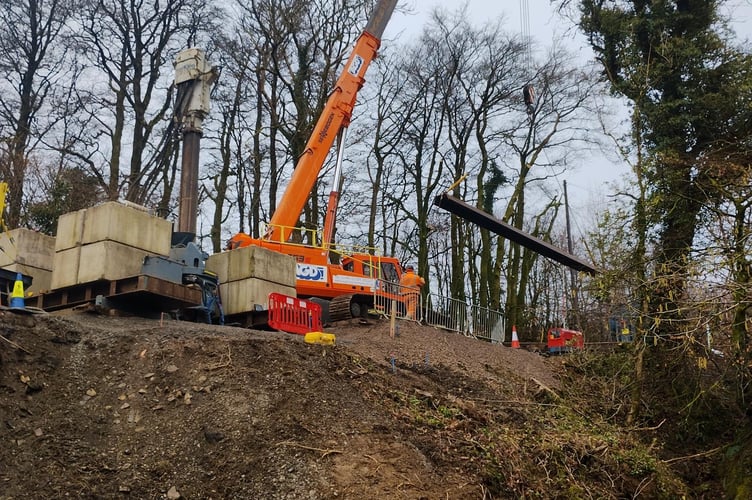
(110, 407)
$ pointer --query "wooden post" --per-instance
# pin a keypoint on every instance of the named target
(393, 319)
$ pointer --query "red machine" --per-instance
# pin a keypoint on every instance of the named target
(349, 284)
(561, 340)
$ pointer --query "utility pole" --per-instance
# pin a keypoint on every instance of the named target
(572, 272)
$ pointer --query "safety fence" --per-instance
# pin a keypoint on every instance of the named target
(293, 315)
(441, 312)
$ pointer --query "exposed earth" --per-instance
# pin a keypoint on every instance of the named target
(124, 407)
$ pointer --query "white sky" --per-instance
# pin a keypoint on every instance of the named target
(589, 181)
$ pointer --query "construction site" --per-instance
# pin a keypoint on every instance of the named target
(107, 393)
(132, 366)
(136, 364)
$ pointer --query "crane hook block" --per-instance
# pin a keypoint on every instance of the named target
(528, 93)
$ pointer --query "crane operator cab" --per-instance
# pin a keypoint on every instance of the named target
(382, 268)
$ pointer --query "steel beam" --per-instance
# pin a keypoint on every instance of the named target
(486, 221)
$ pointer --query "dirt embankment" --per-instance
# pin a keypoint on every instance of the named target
(104, 407)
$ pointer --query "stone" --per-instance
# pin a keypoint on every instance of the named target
(213, 435)
(34, 387)
(134, 416)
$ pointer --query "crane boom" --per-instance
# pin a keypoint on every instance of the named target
(351, 284)
(336, 114)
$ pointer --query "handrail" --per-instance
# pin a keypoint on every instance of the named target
(313, 235)
(443, 312)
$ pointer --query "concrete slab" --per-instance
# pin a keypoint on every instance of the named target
(26, 247)
(104, 260)
(242, 296)
(253, 262)
(114, 221)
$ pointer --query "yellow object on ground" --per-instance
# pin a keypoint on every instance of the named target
(320, 338)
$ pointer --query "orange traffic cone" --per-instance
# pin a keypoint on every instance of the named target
(515, 339)
(17, 297)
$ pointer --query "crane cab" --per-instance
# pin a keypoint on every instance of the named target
(382, 268)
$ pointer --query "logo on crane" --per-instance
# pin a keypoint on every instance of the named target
(327, 125)
(309, 272)
(357, 63)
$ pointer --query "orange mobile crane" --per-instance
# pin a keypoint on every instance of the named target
(346, 288)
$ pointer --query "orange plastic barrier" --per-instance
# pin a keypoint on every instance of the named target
(293, 315)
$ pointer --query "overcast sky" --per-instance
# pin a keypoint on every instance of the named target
(542, 20)
(587, 181)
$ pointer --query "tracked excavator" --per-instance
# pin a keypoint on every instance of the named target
(346, 288)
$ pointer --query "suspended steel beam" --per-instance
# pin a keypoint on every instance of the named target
(486, 221)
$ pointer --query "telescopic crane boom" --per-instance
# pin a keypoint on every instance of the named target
(334, 118)
(347, 287)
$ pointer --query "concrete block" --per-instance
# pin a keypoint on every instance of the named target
(65, 268)
(108, 260)
(104, 260)
(241, 296)
(114, 221)
(70, 227)
(27, 247)
(253, 262)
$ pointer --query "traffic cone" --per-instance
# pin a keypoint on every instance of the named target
(17, 297)
(515, 339)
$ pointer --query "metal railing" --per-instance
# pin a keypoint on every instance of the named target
(384, 301)
(444, 312)
(312, 238)
(488, 324)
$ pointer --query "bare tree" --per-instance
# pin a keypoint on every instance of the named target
(239, 53)
(408, 191)
(542, 146)
(130, 47)
(387, 128)
(304, 46)
(34, 70)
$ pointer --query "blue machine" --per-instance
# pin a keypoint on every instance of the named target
(186, 265)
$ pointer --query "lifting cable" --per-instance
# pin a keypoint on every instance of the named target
(528, 91)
